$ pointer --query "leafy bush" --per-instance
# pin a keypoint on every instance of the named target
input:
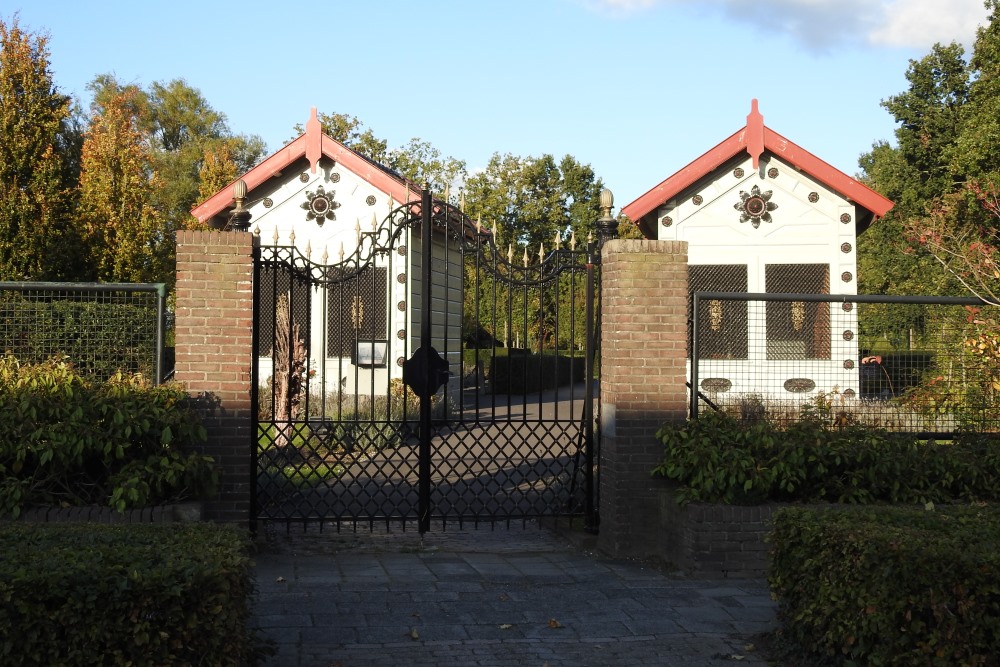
(124, 443)
(718, 458)
(890, 586)
(153, 594)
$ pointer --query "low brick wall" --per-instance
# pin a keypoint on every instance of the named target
(714, 540)
(177, 513)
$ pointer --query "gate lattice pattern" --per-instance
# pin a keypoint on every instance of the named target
(509, 433)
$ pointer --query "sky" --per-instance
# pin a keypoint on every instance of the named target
(637, 89)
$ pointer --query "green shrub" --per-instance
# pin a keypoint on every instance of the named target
(718, 458)
(141, 594)
(889, 586)
(124, 443)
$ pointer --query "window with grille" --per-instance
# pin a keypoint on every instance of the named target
(277, 280)
(722, 324)
(797, 329)
(357, 312)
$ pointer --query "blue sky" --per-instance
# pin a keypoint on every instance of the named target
(635, 88)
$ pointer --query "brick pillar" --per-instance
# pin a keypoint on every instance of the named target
(644, 294)
(213, 335)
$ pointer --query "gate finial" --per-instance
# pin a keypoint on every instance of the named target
(607, 225)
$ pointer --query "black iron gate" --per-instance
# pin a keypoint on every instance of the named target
(427, 375)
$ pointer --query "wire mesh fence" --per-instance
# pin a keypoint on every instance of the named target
(100, 328)
(923, 365)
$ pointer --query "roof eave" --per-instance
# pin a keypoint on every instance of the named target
(755, 138)
(312, 145)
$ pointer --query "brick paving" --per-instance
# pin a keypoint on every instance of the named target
(492, 598)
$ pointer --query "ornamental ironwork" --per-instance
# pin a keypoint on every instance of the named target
(772, 173)
(320, 206)
(738, 172)
(755, 206)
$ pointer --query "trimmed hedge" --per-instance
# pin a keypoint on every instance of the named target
(717, 458)
(519, 371)
(889, 586)
(159, 594)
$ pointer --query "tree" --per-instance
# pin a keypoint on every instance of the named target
(127, 237)
(38, 158)
(421, 163)
(349, 131)
(915, 172)
(530, 200)
(184, 130)
(417, 161)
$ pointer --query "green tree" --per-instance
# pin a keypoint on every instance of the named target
(420, 162)
(530, 200)
(417, 161)
(39, 149)
(183, 129)
(351, 132)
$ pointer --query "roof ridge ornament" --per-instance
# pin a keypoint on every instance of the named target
(314, 140)
(755, 134)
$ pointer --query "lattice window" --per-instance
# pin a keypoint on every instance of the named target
(278, 280)
(722, 324)
(798, 329)
(357, 311)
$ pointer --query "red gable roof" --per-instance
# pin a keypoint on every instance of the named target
(755, 138)
(312, 146)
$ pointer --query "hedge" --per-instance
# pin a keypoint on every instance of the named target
(889, 586)
(158, 594)
(716, 458)
(517, 371)
(100, 338)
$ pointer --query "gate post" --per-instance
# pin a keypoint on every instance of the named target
(214, 352)
(644, 292)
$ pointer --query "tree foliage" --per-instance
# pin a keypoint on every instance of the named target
(38, 155)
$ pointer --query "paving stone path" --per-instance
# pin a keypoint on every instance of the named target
(492, 597)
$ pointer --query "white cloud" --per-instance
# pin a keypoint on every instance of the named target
(921, 23)
(820, 24)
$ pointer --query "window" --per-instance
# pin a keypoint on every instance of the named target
(722, 324)
(798, 329)
(277, 280)
(357, 311)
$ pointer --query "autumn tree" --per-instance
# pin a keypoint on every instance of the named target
(38, 158)
(127, 238)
